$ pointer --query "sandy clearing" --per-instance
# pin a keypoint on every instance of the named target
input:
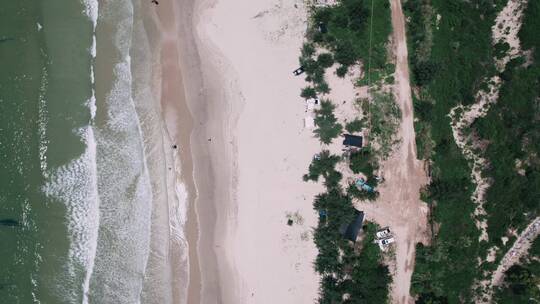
(506, 29)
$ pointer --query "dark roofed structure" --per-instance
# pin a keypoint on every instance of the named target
(351, 231)
(353, 140)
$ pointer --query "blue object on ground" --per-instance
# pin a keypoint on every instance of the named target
(360, 183)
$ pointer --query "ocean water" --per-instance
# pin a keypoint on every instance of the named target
(85, 202)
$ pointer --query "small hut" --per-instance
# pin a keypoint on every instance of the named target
(353, 141)
(351, 231)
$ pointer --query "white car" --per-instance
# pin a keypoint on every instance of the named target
(387, 241)
(383, 244)
(383, 233)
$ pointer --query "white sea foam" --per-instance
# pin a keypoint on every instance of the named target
(126, 196)
(43, 120)
(124, 183)
(75, 184)
(34, 287)
(93, 51)
(91, 10)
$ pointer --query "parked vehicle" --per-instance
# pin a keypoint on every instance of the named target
(383, 244)
(298, 71)
(383, 233)
(387, 241)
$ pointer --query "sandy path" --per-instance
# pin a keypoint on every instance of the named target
(399, 205)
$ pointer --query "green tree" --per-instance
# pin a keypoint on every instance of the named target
(327, 126)
(322, 165)
(341, 71)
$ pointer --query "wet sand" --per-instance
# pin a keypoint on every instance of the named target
(195, 119)
(176, 60)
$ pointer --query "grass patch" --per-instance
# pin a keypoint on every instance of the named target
(385, 119)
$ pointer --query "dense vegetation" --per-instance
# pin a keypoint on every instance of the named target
(445, 271)
(353, 30)
(450, 56)
(512, 127)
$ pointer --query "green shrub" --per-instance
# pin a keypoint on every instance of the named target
(308, 50)
(325, 60)
(354, 126)
(362, 162)
(424, 72)
(308, 92)
(500, 49)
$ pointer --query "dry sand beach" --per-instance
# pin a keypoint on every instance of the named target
(253, 46)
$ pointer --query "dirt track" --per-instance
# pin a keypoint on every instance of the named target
(399, 205)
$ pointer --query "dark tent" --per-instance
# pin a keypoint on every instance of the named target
(351, 231)
(322, 28)
(353, 140)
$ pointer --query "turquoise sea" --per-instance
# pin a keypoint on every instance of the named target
(82, 156)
